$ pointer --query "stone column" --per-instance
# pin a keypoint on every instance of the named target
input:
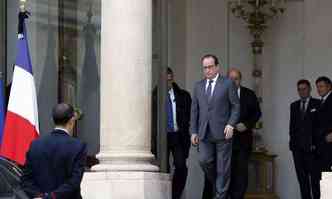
(125, 171)
(126, 58)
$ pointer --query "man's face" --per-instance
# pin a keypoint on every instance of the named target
(323, 88)
(236, 77)
(210, 69)
(303, 90)
(170, 80)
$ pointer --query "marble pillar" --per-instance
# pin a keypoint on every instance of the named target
(126, 58)
(125, 170)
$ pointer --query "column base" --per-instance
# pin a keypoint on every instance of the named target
(126, 185)
(126, 167)
(125, 161)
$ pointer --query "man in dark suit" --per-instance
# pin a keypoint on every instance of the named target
(55, 162)
(324, 123)
(242, 141)
(178, 137)
(214, 114)
(301, 132)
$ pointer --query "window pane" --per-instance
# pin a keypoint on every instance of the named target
(79, 44)
(64, 41)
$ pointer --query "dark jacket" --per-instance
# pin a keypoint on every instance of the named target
(250, 113)
(323, 126)
(301, 128)
(183, 107)
(54, 167)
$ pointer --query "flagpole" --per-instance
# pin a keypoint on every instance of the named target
(22, 15)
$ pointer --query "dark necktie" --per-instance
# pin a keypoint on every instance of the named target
(303, 107)
(209, 90)
(170, 119)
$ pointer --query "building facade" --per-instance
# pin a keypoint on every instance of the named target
(72, 43)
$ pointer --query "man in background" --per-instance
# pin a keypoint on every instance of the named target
(55, 162)
(301, 132)
(178, 138)
(243, 136)
(323, 123)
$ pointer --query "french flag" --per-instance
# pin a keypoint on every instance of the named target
(21, 124)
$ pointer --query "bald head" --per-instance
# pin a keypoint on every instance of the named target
(62, 114)
(235, 75)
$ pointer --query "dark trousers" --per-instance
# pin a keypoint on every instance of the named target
(208, 189)
(308, 175)
(215, 160)
(239, 176)
(325, 158)
(177, 148)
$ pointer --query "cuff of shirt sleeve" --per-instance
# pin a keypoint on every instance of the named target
(49, 195)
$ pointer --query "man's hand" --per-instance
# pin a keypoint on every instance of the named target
(194, 139)
(241, 127)
(329, 137)
(228, 131)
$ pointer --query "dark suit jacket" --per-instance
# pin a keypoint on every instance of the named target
(323, 126)
(54, 165)
(183, 107)
(301, 129)
(250, 113)
(223, 109)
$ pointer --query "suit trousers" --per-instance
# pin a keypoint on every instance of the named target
(215, 160)
(307, 175)
(208, 189)
(239, 177)
(177, 148)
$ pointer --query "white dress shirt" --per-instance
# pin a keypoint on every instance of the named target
(212, 85)
(172, 96)
(62, 129)
(326, 96)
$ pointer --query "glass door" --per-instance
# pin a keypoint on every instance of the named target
(79, 65)
(64, 42)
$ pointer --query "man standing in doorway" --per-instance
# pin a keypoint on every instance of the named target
(178, 137)
(242, 141)
(301, 132)
(214, 114)
(324, 123)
